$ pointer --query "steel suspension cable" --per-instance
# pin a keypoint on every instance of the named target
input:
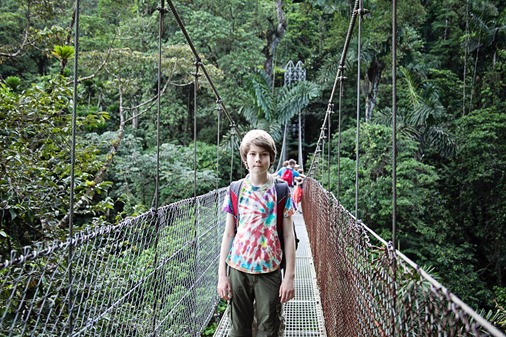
(394, 154)
(232, 156)
(282, 157)
(195, 88)
(72, 167)
(394, 119)
(345, 49)
(324, 139)
(339, 75)
(357, 145)
(339, 127)
(162, 11)
(301, 159)
(329, 148)
(218, 109)
(199, 60)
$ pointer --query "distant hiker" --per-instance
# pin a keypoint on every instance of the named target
(289, 173)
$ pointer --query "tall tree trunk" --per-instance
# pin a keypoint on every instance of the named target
(100, 176)
(373, 79)
(474, 76)
(273, 37)
(68, 40)
(466, 51)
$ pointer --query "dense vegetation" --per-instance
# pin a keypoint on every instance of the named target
(451, 100)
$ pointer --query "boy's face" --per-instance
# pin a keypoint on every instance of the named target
(258, 160)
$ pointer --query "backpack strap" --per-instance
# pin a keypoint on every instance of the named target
(235, 190)
(281, 195)
(282, 191)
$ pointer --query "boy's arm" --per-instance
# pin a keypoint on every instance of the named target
(224, 290)
(287, 289)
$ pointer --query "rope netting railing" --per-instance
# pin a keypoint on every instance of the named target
(368, 288)
(116, 289)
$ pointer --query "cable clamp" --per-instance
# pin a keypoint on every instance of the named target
(162, 9)
(362, 11)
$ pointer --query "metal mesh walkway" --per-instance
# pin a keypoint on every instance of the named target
(303, 314)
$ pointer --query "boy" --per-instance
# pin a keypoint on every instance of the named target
(252, 249)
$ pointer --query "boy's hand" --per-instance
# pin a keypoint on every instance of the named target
(224, 288)
(287, 290)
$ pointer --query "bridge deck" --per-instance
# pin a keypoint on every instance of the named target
(303, 314)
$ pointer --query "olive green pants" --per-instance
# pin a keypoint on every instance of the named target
(255, 299)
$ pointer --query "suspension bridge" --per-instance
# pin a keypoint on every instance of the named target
(156, 274)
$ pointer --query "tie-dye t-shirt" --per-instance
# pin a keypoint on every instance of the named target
(256, 248)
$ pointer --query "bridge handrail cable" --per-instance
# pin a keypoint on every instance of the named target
(198, 60)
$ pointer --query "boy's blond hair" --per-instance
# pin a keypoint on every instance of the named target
(258, 138)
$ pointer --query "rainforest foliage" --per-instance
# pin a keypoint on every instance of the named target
(451, 120)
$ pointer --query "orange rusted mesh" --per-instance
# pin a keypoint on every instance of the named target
(369, 289)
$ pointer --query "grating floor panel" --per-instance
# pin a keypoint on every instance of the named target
(303, 314)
